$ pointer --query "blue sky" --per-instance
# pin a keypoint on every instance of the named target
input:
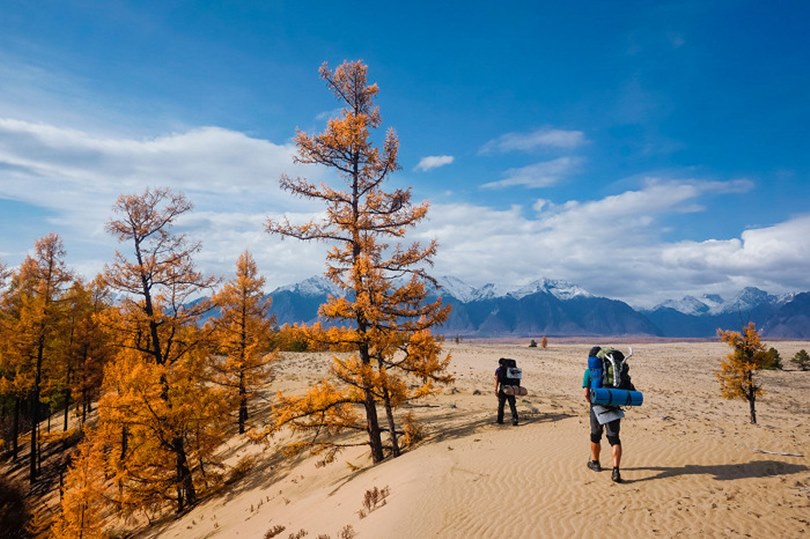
(643, 150)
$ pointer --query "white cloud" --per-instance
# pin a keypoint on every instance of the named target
(74, 177)
(773, 254)
(226, 234)
(42, 162)
(540, 138)
(615, 246)
(329, 114)
(540, 204)
(434, 161)
(543, 174)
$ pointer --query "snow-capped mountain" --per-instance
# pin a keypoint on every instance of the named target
(316, 285)
(557, 308)
(687, 305)
(693, 317)
(457, 288)
(750, 298)
(713, 304)
(562, 290)
(466, 293)
(543, 307)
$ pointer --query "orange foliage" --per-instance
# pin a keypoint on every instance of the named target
(83, 503)
(89, 348)
(32, 313)
(241, 335)
(737, 369)
(159, 418)
(383, 315)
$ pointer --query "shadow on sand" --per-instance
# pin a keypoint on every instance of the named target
(468, 428)
(471, 427)
(722, 472)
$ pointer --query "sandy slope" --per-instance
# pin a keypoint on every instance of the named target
(690, 463)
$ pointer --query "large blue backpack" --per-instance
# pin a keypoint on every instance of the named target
(609, 368)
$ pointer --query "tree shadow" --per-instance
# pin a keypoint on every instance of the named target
(456, 432)
(722, 472)
(268, 469)
(265, 470)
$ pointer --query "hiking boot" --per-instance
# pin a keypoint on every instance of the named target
(594, 465)
(514, 421)
(616, 477)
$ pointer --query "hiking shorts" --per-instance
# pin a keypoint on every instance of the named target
(612, 429)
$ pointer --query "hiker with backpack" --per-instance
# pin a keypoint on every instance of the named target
(507, 385)
(608, 378)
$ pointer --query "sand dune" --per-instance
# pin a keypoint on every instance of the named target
(693, 464)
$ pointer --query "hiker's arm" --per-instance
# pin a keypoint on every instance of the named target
(496, 384)
(586, 384)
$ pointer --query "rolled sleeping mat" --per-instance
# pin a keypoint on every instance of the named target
(518, 391)
(595, 366)
(616, 397)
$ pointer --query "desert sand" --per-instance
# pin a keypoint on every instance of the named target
(693, 464)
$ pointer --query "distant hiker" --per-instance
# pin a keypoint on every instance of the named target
(603, 418)
(507, 384)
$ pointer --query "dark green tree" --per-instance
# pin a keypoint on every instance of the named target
(801, 360)
(774, 359)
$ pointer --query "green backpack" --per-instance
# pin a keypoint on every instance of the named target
(615, 370)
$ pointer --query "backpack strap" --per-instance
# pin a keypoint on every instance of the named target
(616, 364)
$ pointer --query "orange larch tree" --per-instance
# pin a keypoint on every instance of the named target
(32, 314)
(88, 347)
(165, 417)
(5, 396)
(15, 359)
(383, 314)
(241, 335)
(83, 502)
(737, 369)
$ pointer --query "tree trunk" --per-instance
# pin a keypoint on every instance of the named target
(32, 461)
(86, 395)
(33, 468)
(372, 421)
(124, 442)
(68, 395)
(186, 494)
(67, 412)
(243, 411)
(392, 427)
(15, 431)
(751, 397)
(752, 407)
(81, 522)
(374, 437)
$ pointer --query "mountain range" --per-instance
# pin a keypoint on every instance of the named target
(558, 308)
